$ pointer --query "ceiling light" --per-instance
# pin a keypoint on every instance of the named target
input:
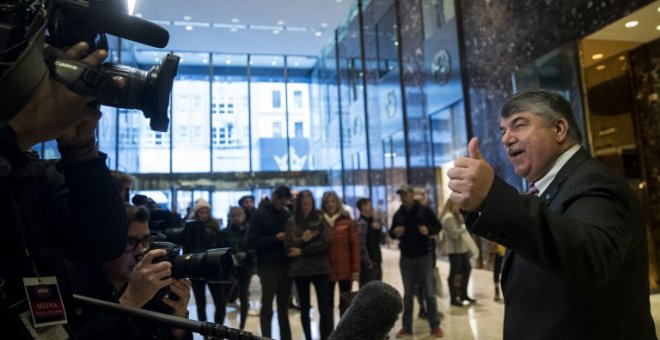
(296, 63)
(273, 62)
(189, 28)
(131, 6)
(205, 61)
(276, 31)
(187, 17)
(235, 20)
(622, 58)
(600, 67)
(234, 29)
(657, 27)
(597, 56)
(228, 62)
(280, 22)
(318, 33)
(338, 0)
(324, 24)
(631, 24)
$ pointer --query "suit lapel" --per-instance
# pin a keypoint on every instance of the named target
(551, 192)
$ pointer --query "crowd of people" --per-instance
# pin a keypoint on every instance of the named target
(576, 265)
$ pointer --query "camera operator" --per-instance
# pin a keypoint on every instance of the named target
(134, 279)
(70, 208)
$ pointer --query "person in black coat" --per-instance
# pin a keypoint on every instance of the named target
(235, 237)
(200, 235)
(266, 235)
(578, 261)
(51, 210)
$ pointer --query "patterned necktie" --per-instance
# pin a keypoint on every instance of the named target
(532, 190)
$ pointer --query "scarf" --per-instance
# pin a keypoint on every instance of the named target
(331, 219)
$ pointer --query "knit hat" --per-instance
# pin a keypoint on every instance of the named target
(201, 203)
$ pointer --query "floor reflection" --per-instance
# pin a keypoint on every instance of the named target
(480, 321)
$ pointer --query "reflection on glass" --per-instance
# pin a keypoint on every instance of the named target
(229, 114)
(190, 121)
(107, 135)
(269, 142)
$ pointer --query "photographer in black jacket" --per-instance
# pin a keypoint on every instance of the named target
(52, 210)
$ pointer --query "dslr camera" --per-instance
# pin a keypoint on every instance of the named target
(214, 266)
(23, 26)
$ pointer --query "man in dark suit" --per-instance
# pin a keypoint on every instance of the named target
(578, 265)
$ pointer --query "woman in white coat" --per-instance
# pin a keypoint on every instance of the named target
(455, 246)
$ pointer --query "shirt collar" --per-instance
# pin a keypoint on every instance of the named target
(545, 181)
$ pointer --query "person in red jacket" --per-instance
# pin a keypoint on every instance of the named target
(344, 250)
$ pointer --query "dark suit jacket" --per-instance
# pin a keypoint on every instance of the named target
(578, 265)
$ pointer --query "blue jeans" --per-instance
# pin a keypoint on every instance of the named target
(417, 271)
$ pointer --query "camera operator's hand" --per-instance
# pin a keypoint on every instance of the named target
(147, 279)
(182, 289)
(54, 110)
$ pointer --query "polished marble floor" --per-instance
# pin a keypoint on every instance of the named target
(480, 321)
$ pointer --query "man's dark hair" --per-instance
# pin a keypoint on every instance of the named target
(361, 202)
(282, 191)
(136, 214)
(551, 106)
(242, 199)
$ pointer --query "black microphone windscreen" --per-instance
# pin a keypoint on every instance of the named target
(372, 313)
(101, 19)
(131, 28)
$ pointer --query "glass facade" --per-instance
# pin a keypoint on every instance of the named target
(363, 117)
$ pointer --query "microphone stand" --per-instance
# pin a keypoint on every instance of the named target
(204, 328)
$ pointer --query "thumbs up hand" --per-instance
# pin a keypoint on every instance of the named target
(471, 178)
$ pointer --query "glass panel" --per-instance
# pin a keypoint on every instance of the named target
(230, 116)
(190, 115)
(222, 200)
(324, 122)
(50, 150)
(299, 70)
(107, 134)
(269, 149)
(162, 197)
(141, 150)
(130, 148)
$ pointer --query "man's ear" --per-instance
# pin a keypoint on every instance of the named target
(561, 130)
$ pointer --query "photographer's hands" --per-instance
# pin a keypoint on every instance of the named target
(147, 279)
(56, 112)
(182, 289)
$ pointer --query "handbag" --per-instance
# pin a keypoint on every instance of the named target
(473, 249)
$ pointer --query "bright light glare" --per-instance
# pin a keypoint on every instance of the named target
(131, 6)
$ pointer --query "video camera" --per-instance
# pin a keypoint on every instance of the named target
(22, 33)
(214, 266)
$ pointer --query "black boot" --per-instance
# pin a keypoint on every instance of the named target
(497, 292)
(464, 294)
(455, 291)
